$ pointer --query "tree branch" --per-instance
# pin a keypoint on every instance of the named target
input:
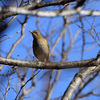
(77, 80)
(42, 65)
(49, 13)
(53, 3)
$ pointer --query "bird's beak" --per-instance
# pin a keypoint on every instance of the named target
(30, 31)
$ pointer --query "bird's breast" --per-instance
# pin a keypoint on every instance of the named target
(40, 49)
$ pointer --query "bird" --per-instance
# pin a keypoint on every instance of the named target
(40, 46)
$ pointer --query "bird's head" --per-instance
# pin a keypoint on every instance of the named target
(36, 34)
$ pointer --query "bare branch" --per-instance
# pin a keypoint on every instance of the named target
(42, 65)
(50, 13)
(78, 78)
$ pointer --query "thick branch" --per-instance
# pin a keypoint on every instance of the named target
(43, 65)
(77, 80)
(49, 13)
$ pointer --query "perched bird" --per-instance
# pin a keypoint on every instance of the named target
(40, 46)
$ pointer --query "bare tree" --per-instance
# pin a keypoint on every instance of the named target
(72, 30)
